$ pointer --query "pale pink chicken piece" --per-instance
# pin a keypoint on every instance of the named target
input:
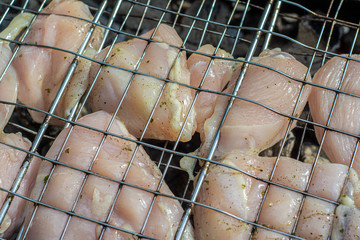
(241, 195)
(41, 70)
(338, 147)
(252, 128)
(281, 205)
(10, 162)
(217, 77)
(234, 192)
(160, 60)
(316, 218)
(98, 194)
(11, 159)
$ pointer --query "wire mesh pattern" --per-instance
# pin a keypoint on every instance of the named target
(312, 34)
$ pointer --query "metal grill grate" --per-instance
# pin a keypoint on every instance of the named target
(312, 33)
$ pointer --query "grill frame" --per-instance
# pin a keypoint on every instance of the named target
(266, 26)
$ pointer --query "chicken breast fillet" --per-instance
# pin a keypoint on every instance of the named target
(240, 194)
(218, 75)
(345, 116)
(42, 70)
(250, 127)
(161, 61)
(98, 194)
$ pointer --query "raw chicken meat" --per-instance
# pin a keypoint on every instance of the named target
(338, 147)
(239, 194)
(42, 70)
(10, 162)
(233, 192)
(217, 77)
(252, 128)
(315, 220)
(160, 60)
(9, 83)
(281, 205)
(347, 215)
(346, 223)
(98, 193)
(10, 158)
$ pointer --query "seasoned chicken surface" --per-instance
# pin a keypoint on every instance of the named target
(240, 194)
(338, 147)
(161, 61)
(97, 196)
(250, 127)
(231, 191)
(218, 75)
(41, 70)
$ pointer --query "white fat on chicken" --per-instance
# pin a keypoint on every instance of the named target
(218, 75)
(42, 70)
(98, 194)
(160, 60)
(346, 223)
(239, 194)
(338, 147)
(250, 127)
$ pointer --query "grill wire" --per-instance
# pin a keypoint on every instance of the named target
(312, 33)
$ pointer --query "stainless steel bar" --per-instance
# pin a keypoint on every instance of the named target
(178, 11)
(272, 24)
(206, 24)
(331, 32)
(246, 9)
(110, 23)
(142, 17)
(6, 12)
(303, 136)
(29, 130)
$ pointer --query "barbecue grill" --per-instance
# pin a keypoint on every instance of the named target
(312, 32)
